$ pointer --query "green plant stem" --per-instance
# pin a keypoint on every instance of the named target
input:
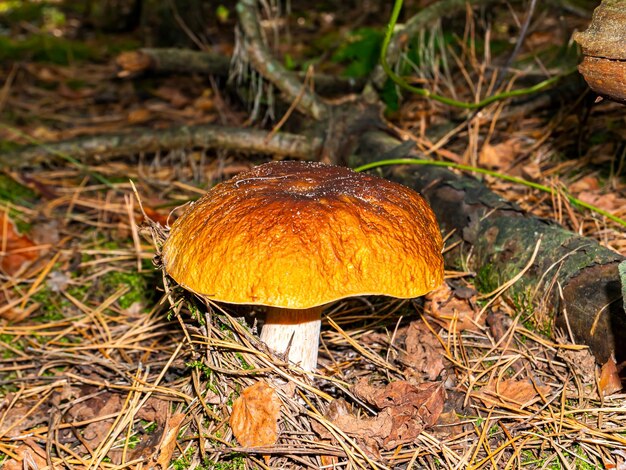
(513, 179)
(398, 80)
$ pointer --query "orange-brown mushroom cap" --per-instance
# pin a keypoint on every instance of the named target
(298, 235)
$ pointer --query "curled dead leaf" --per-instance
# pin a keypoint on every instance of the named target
(420, 351)
(500, 156)
(29, 455)
(155, 216)
(254, 419)
(511, 392)
(406, 410)
(168, 440)
(609, 381)
(16, 250)
(453, 312)
(426, 398)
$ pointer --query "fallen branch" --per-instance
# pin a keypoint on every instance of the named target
(172, 60)
(84, 149)
(572, 275)
(270, 68)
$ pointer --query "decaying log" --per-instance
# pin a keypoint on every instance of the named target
(573, 276)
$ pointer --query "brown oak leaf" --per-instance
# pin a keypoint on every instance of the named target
(16, 250)
(609, 382)
(254, 419)
(521, 393)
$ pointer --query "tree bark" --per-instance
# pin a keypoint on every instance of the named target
(574, 277)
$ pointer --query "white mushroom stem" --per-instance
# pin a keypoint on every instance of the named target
(298, 330)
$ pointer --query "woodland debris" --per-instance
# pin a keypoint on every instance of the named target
(29, 455)
(177, 61)
(97, 148)
(172, 60)
(254, 419)
(16, 250)
(406, 410)
(453, 312)
(571, 275)
(167, 445)
(609, 381)
(511, 392)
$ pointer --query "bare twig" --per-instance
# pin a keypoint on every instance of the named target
(272, 69)
(149, 140)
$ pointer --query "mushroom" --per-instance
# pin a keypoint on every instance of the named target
(295, 236)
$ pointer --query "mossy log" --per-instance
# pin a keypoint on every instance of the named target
(574, 277)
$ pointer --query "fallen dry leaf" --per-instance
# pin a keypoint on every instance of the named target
(610, 202)
(609, 382)
(452, 312)
(168, 441)
(17, 250)
(29, 456)
(448, 424)
(139, 116)
(420, 351)
(21, 417)
(586, 183)
(204, 102)
(581, 360)
(521, 393)
(94, 433)
(173, 95)
(427, 398)
(500, 156)
(156, 216)
(406, 410)
(254, 419)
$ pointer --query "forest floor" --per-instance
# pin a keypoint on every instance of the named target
(105, 364)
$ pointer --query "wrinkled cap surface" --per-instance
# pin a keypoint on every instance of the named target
(299, 235)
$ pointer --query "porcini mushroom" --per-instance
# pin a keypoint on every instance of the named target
(294, 236)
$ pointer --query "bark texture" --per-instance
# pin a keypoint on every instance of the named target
(572, 276)
(86, 149)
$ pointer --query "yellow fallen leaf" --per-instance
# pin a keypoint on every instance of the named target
(254, 419)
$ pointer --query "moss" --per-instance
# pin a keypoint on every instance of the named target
(6, 146)
(184, 461)
(204, 370)
(136, 282)
(230, 462)
(52, 305)
(486, 279)
(14, 192)
(9, 339)
(45, 48)
(243, 362)
(149, 426)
